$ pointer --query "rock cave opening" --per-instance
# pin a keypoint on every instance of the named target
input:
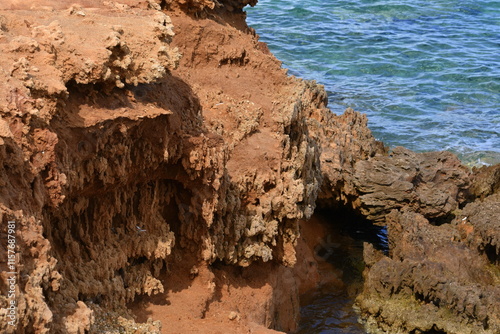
(339, 238)
(492, 253)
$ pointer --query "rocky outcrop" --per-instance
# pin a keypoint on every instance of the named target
(441, 271)
(121, 170)
(437, 278)
(433, 184)
(440, 274)
(156, 161)
(71, 163)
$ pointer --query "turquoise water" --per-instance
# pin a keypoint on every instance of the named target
(427, 73)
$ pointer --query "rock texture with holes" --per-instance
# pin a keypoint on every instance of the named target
(156, 160)
(437, 278)
(121, 171)
(433, 184)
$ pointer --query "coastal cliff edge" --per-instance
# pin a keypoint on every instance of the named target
(156, 167)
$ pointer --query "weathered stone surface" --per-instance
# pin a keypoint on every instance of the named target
(479, 227)
(126, 165)
(433, 184)
(120, 169)
(486, 181)
(444, 278)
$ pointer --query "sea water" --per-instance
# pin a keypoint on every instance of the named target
(427, 73)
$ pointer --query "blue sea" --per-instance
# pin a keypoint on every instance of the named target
(427, 73)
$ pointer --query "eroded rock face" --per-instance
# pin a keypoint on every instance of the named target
(433, 184)
(155, 154)
(443, 278)
(115, 165)
(69, 167)
(441, 273)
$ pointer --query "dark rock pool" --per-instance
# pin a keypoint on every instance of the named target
(330, 309)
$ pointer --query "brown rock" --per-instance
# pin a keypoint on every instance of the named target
(122, 171)
(170, 187)
(436, 277)
(433, 184)
(486, 181)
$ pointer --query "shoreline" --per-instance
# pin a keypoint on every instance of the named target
(160, 175)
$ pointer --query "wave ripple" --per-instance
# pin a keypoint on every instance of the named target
(427, 73)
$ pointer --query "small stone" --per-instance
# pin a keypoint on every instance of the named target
(233, 315)
(194, 272)
(5, 129)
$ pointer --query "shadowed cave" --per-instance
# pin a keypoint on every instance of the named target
(330, 308)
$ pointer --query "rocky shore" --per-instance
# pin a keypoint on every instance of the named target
(158, 168)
